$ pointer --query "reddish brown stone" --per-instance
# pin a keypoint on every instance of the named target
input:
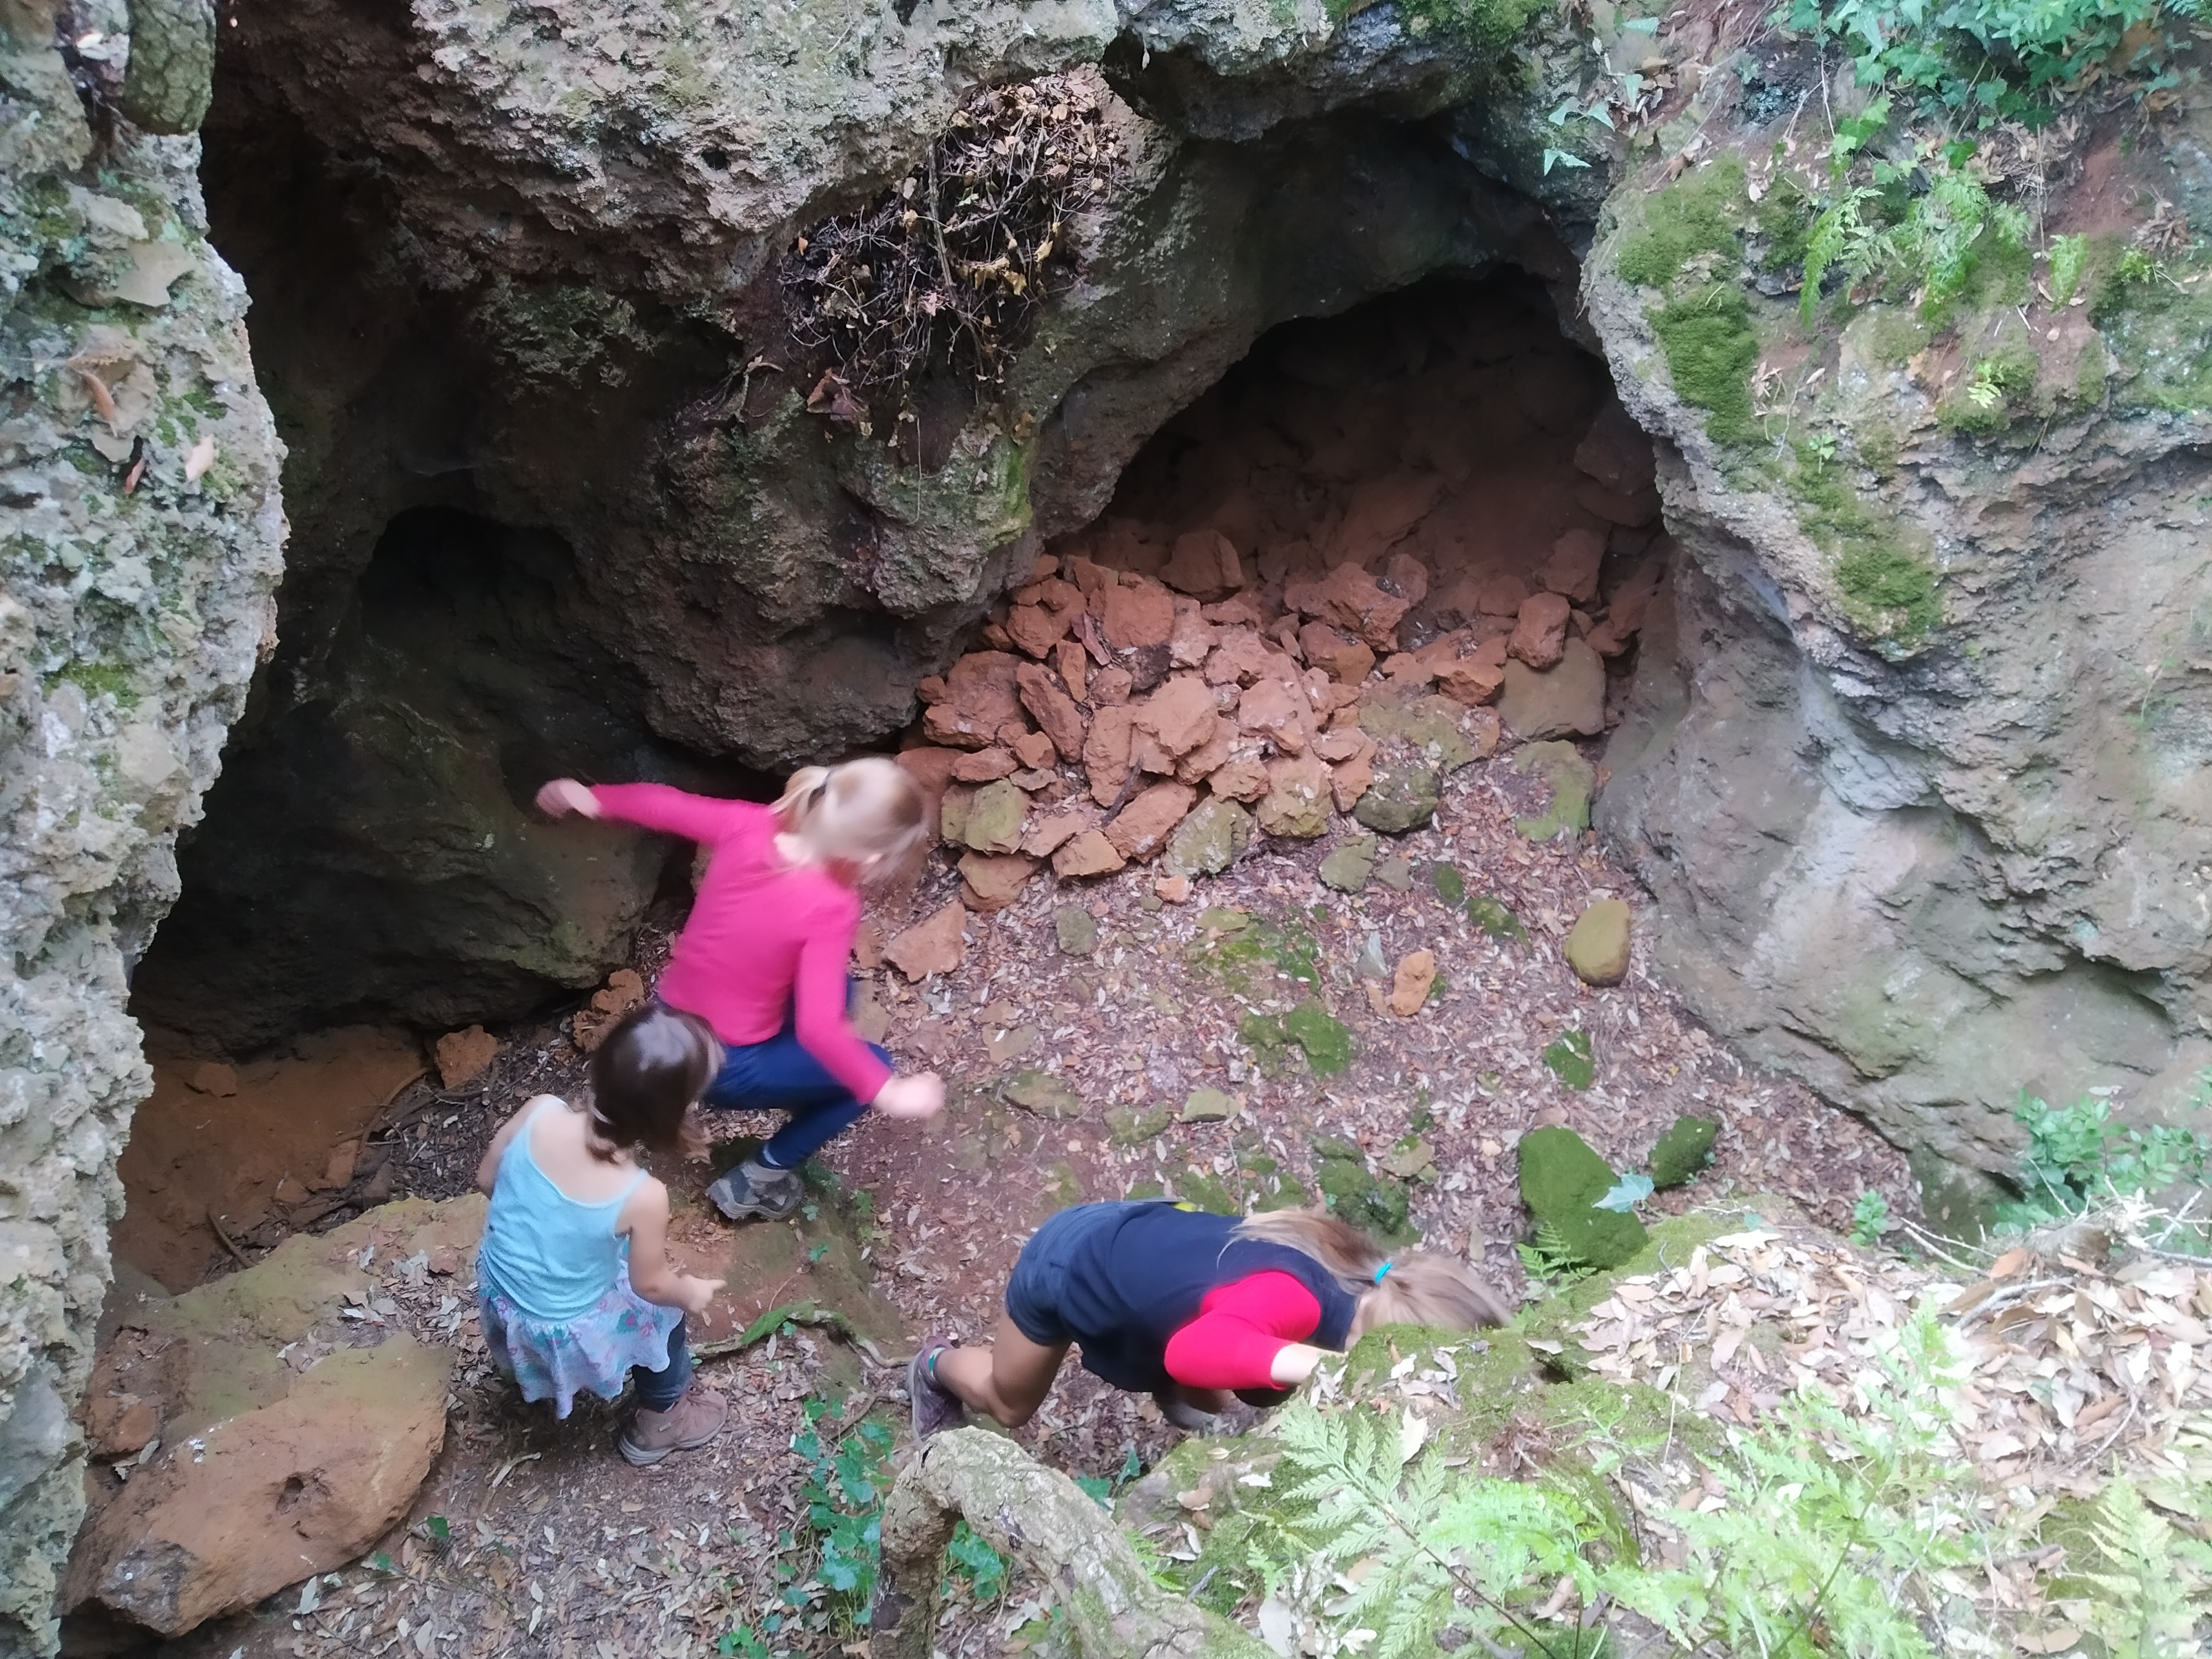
(1407, 577)
(1354, 601)
(1272, 710)
(1035, 629)
(1088, 853)
(1182, 715)
(1349, 779)
(1106, 753)
(1034, 749)
(1204, 565)
(985, 765)
(1057, 716)
(1192, 638)
(991, 881)
(118, 1425)
(1476, 678)
(1140, 829)
(1336, 654)
(1109, 687)
(1209, 757)
(931, 946)
(1572, 567)
(1503, 596)
(1539, 635)
(1139, 614)
(1238, 610)
(1045, 838)
(1074, 664)
(981, 695)
(1243, 779)
(1239, 657)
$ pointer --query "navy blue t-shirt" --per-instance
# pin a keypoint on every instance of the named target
(1121, 1279)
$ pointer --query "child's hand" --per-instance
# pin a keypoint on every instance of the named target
(921, 1095)
(698, 1292)
(566, 795)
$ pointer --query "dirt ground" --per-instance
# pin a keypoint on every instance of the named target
(553, 1545)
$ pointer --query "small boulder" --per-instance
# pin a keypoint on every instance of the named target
(1476, 678)
(1409, 985)
(1402, 796)
(931, 946)
(1204, 565)
(1055, 712)
(1134, 615)
(991, 881)
(1396, 873)
(1107, 750)
(1298, 797)
(1561, 1180)
(1210, 840)
(986, 765)
(1350, 864)
(464, 1055)
(1539, 633)
(1181, 716)
(1567, 700)
(1086, 854)
(1073, 663)
(994, 818)
(981, 695)
(1034, 749)
(1429, 725)
(1208, 1106)
(1271, 709)
(1043, 1095)
(1244, 779)
(1572, 780)
(1127, 1126)
(1041, 840)
(1573, 568)
(1141, 829)
(117, 1424)
(1682, 1151)
(622, 992)
(1335, 653)
(1076, 930)
(1597, 945)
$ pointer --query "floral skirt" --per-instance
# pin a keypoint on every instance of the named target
(556, 1360)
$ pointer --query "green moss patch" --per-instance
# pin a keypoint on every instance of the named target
(1702, 213)
(1682, 1151)
(1371, 1203)
(1889, 589)
(1711, 353)
(1561, 1180)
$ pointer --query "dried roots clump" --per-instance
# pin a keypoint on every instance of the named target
(943, 273)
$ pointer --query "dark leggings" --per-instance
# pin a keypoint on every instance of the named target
(657, 1390)
(780, 1075)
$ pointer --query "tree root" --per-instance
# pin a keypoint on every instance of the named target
(1115, 1608)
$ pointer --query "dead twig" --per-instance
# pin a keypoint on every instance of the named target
(227, 1240)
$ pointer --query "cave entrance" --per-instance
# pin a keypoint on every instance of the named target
(1452, 441)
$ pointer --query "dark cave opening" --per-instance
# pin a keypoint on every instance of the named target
(370, 853)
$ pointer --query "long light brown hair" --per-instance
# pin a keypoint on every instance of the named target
(1420, 1288)
(866, 809)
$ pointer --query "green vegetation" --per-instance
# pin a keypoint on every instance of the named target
(1711, 353)
(2078, 1157)
(2000, 389)
(1489, 913)
(1699, 215)
(828, 1559)
(561, 331)
(1479, 22)
(1941, 245)
(1819, 1533)
(1562, 1183)
(1571, 1059)
(1869, 1217)
(1887, 589)
(1450, 886)
(1247, 952)
(1327, 1044)
(2157, 316)
(1350, 1190)
(1974, 62)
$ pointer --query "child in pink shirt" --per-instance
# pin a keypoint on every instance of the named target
(759, 969)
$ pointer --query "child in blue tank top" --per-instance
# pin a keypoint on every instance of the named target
(574, 1285)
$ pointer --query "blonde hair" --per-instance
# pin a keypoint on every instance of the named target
(870, 808)
(1417, 1288)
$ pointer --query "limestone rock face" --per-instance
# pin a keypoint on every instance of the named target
(565, 407)
(135, 593)
(1926, 869)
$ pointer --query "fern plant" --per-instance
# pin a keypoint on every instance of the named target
(1841, 238)
(2151, 1586)
(1550, 1261)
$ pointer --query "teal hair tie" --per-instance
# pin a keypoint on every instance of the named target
(1380, 1271)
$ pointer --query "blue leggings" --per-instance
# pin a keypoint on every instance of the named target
(657, 1390)
(780, 1075)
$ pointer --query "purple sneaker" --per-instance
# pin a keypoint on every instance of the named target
(934, 1406)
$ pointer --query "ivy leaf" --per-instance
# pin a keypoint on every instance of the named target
(1562, 158)
(1626, 1195)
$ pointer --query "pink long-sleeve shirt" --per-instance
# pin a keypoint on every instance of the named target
(764, 940)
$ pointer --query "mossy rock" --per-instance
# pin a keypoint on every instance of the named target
(1561, 1180)
(1402, 796)
(1352, 1194)
(1682, 1151)
(1127, 1126)
(1572, 779)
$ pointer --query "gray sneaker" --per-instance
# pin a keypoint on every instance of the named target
(752, 1189)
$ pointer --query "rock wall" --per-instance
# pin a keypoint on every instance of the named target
(1929, 870)
(140, 554)
(519, 265)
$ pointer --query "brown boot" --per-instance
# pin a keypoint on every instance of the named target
(692, 1421)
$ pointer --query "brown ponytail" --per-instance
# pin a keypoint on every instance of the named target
(1414, 1288)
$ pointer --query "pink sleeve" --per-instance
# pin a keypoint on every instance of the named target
(657, 806)
(818, 1018)
(1239, 1330)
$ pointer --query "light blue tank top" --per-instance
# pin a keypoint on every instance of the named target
(550, 1255)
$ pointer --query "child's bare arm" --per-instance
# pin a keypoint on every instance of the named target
(645, 1219)
(487, 1171)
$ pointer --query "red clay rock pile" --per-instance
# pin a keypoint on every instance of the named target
(1162, 686)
